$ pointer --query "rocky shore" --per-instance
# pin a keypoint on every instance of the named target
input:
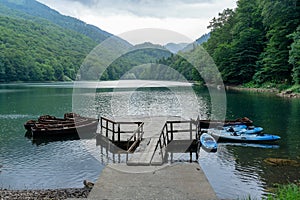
(53, 194)
(286, 94)
(289, 94)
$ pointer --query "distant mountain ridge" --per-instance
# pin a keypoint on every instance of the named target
(175, 48)
(35, 9)
(203, 38)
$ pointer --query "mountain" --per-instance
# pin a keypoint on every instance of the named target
(136, 63)
(203, 38)
(185, 47)
(39, 44)
(174, 48)
(32, 51)
(33, 10)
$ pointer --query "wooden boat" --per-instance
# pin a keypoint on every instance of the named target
(51, 126)
(40, 130)
(48, 119)
(208, 143)
(223, 135)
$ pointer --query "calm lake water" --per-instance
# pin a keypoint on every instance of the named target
(234, 171)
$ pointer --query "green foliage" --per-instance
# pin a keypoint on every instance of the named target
(286, 192)
(203, 38)
(280, 18)
(257, 42)
(195, 65)
(127, 62)
(39, 51)
(181, 65)
(295, 88)
(35, 11)
(294, 53)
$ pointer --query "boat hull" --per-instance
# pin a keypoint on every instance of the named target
(74, 130)
(208, 143)
(244, 138)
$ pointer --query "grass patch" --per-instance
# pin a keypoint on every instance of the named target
(294, 89)
(282, 192)
(286, 192)
(270, 85)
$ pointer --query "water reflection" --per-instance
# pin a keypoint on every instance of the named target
(229, 177)
(234, 171)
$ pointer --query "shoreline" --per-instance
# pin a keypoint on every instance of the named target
(284, 94)
(7, 194)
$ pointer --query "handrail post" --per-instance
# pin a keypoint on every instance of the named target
(106, 128)
(119, 133)
(113, 132)
(171, 131)
(191, 130)
(101, 126)
(167, 132)
(139, 132)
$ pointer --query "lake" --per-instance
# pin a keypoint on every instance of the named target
(234, 171)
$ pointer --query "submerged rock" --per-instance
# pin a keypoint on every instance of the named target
(88, 184)
(281, 162)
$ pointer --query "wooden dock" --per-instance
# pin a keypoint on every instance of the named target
(148, 172)
(148, 140)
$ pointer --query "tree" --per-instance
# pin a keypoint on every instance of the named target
(294, 54)
(280, 19)
(248, 41)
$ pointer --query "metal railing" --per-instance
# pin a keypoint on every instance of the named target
(113, 130)
(136, 137)
(167, 135)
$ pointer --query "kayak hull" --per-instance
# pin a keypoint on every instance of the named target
(244, 138)
(208, 143)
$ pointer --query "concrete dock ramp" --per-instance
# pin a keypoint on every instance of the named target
(176, 181)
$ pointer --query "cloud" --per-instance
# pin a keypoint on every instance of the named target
(145, 8)
(188, 17)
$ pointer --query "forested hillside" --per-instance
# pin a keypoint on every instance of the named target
(141, 54)
(39, 52)
(33, 48)
(39, 44)
(258, 42)
(33, 10)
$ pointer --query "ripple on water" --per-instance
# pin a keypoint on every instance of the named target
(227, 177)
(15, 116)
(55, 165)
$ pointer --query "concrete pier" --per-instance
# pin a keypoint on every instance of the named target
(146, 174)
(176, 181)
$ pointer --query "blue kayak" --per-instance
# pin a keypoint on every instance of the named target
(222, 135)
(208, 143)
(243, 129)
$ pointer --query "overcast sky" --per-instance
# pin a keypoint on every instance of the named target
(186, 17)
